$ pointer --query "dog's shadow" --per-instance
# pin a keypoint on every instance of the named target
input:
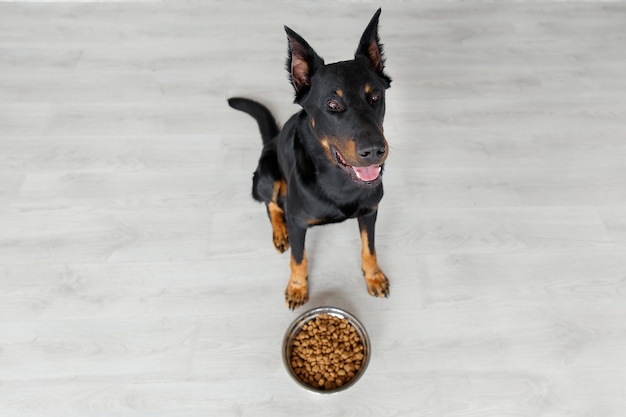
(330, 298)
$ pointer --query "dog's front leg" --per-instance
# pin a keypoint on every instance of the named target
(297, 292)
(377, 282)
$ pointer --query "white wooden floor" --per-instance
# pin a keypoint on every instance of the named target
(137, 275)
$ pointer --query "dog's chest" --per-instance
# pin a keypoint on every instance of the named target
(338, 210)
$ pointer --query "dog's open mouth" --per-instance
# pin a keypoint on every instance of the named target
(366, 175)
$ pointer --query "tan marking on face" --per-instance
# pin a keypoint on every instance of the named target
(349, 153)
(345, 146)
(368, 88)
(339, 93)
(326, 145)
(312, 122)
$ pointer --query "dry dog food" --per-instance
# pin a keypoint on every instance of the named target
(327, 353)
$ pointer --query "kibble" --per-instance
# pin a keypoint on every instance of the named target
(327, 353)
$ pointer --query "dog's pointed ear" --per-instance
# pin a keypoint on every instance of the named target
(371, 48)
(302, 62)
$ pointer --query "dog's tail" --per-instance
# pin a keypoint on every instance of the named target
(267, 124)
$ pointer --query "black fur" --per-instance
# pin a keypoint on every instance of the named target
(326, 163)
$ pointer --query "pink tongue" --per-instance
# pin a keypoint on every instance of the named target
(367, 173)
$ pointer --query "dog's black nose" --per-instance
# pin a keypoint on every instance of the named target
(372, 154)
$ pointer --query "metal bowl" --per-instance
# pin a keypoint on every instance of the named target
(296, 327)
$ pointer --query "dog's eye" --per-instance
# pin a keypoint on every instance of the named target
(334, 105)
(374, 98)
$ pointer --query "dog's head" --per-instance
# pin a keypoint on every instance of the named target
(345, 103)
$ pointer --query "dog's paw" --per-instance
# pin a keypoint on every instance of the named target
(296, 295)
(377, 284)
(281, 239)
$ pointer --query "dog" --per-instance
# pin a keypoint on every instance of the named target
(326, 164)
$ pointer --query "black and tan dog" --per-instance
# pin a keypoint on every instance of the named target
(326, 164)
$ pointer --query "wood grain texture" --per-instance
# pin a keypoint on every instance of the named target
(138, 277)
